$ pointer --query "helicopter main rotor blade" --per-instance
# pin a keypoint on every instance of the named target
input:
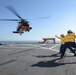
(13, 11)
(9, 19)
(40, 18)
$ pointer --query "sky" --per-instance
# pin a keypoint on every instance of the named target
(62, 18)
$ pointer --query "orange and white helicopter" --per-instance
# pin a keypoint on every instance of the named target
(23, 24)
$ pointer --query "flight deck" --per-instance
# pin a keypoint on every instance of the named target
(35, 59)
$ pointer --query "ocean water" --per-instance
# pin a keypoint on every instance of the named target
(24, 42)
(17, 42)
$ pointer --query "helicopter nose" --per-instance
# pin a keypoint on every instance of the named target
(30, 27)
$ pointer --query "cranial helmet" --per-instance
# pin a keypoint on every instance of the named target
(62, 35)
(70, 31)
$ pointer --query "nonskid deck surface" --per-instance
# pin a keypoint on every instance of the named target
(35, 59)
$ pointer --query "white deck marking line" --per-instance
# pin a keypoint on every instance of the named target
(42, 48)
(38, 46)
(13, 47)
(51, 48)
(45, 47)
(54, 46)
(58, 51)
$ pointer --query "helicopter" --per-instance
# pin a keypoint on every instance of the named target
(23, 24)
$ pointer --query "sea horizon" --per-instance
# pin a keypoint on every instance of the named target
(24, 42)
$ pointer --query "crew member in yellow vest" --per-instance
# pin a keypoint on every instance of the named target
(62, 41)
(69, 42)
